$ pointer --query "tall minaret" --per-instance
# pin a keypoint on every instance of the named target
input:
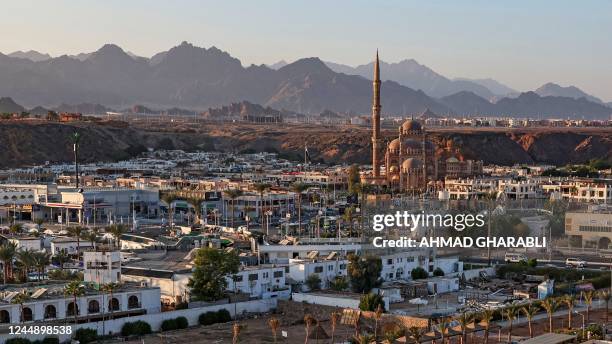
(376, 142)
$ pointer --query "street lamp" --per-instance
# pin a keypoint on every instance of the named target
(582, 315)
(268, 213)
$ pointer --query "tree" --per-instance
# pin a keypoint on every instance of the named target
(353, 179)
(74, 289)
(416, 333)
(62, 258)
(41, 260)
(261, 188)
(588, 300)
(370, 302)
(377, 316)
(110, 289)
(77, 232)
(334, 318)
(313, 281)
(510, 314)
(208, 282)
(530, 311)
(20, 299)
(487, 317)
(605, 296)
(232, 194)
(550, 305)
(464, 319)
(570, 301)
(339, 283)
(25, 258)
(363, 338)
(274, 326)
(442, 327)
(364, 272)
(91, 236)
(299, 188)
(117, 230)
(7, 254)
(169, 198)
(418, 273)
(196, 203)
(16, 228)
(309, 321)
(438, 272)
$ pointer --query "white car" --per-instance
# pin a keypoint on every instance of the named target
(575, 262)
(515, 257)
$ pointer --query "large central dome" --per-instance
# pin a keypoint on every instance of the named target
(411, 125)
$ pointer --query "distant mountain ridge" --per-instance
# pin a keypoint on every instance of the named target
(552, 89)
(190, 77)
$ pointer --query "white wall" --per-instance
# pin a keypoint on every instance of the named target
(331, 300)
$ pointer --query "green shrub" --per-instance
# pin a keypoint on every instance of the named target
(181, 322)
(418, 273)
(168, 325)
(223, 315)
(18, 341)
(532, 263)
(137, 328)
(208, 318)
(370, 302)
(438, 272)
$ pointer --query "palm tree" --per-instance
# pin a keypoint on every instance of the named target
(363, 338)
(76, 231)
(7, 254)
(41, 260)
(169, 198)
(487, 317)
(464, 320)
(274, 325)
(510, 314)
(416, 333)
(530, 311)
(605, 295)
(74, 289)
(299, 188)
(261, 188)
(26, 259)
(117, 230)
(196, 203)
(16, 228)
(232, 194)
(377, 315)
(550, 305)
(570, 301)
(20, 299)
(442, 327)
(91, 236)
(236, 332)
(62, 258)
(335, 318)
(110, 288)
(309, 320)
(588, 300)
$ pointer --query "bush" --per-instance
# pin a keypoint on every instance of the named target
(169, 325)
(313, 281)
(418, 273)
(532, 263)
(438, 272)
(86, 335)
(137, 328)
(223, 315)
(181, 323)
(18, 341)
(370, 302)
(208, 318)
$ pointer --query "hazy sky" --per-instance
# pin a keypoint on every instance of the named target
(521, 43)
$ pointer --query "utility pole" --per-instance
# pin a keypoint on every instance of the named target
(76, 138)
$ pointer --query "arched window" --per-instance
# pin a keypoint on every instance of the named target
(27, 314)
(50, 312)
(113, 304)
(133, 302)
(94, 307)
(5, 317)
(72, 309)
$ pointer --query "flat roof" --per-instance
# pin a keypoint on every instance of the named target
(550, 338)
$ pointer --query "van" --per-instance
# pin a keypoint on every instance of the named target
(575, 262)
(515, 257)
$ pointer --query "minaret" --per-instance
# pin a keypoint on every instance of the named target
(376, 144)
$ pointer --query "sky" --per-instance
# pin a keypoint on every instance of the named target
(521, 43)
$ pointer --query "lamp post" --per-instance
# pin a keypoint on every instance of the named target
(76, 138)
(582, 315)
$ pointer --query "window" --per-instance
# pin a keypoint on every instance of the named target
(318, 269)
(238, 278)
(133, 302)
(330, 268)
(265, 275)
(278, 274)
(253, 277)
(389, 261)
(342, 266)
(94, 307)
(50, 312)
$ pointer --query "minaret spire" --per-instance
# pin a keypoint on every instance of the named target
(376, 144)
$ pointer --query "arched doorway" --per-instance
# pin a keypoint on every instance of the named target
(94, 307)
(50, 312)
(27, 314)
(72, 309)
(5, 317)
(133, 302)
(603, 243)
(113, 304)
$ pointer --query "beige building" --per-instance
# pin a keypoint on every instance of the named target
(593, 227)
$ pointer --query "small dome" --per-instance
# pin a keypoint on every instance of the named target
(452, 159)
(411, 125)
(411, 164)
(394, 145)
(393, 169)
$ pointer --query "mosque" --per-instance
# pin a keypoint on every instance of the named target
(410, 160)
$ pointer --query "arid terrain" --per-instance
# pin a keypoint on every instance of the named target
(34, 142)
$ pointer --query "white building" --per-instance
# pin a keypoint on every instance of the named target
(327, 270)
(260, 282)
(172, 284)
(102, 267)
(68, 245)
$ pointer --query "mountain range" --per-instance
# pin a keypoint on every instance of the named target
(197, 78)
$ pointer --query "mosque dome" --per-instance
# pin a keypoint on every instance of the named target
(411, 164)
(393, 169)
(394, 145)
(411, 125)
(452, 159)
